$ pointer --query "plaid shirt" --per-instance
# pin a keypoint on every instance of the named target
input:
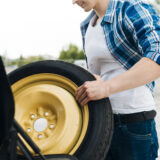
(132, 31)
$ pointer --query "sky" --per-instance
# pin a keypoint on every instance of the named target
(39, 27)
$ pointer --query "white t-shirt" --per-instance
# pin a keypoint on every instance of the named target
(101, 62)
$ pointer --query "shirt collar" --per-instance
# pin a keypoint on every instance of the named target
(108, 17)
(87, 20)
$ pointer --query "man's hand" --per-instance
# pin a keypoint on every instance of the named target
(92, 90)
(143, 72)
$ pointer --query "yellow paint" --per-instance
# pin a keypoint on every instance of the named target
(50, 97)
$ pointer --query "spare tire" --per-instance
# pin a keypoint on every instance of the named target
(46, 108)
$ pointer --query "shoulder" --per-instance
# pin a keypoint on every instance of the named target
(133, 8)
(126, 4)
(135, 14)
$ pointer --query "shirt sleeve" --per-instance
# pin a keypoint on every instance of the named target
(143, 23)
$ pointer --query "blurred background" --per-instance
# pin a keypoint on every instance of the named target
(33, 30)
(36, 30)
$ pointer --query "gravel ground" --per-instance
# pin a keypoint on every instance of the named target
(157, 101)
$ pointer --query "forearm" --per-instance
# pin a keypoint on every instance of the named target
(143, 72)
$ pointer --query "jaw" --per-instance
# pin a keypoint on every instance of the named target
(86, 9)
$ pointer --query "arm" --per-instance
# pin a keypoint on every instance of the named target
(146, 34)
(143, 72)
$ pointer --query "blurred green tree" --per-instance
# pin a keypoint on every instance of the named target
(20, 61)
(71, 54)
(156, 4)
(158, 1)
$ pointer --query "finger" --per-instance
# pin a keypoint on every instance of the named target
(85, 101)
(82, 87)
(79, 92)
(84, 94)
(79, 88)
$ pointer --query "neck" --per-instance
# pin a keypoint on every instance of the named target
(101, 7)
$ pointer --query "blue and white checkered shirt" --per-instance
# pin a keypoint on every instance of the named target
(132, 31)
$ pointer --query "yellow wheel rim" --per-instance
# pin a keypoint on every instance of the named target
(46, 109)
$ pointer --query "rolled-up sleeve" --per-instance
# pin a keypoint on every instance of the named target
(143, 22)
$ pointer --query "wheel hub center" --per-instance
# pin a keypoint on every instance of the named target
(40, 124)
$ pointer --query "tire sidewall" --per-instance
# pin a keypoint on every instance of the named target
(100, 129)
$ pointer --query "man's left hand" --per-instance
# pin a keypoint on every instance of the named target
(92, 90)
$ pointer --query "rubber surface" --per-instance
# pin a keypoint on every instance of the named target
(99, 133)
(6, 105)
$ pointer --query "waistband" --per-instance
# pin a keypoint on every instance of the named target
(134, 117)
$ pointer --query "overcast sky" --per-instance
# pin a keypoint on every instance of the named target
(32, 27)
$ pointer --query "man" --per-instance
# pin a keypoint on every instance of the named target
(121, 40)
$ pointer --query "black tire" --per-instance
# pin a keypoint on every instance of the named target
(99, 133)
(6, 103)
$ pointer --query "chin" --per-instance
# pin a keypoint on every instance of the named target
(87, 9)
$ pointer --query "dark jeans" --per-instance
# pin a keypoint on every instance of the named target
(134, 141)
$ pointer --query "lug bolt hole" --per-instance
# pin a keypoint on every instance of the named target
(40, 136)
(28, 130)
(46, 114)
(33, 116)
(51, 125)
